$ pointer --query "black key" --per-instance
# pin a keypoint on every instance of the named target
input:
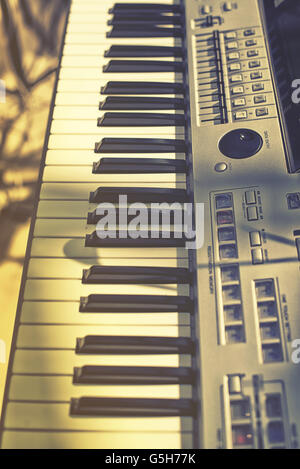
(140, 145)
(135, 304)
(133, 345)
(144, 51)
(142, 66)
(136, 103)
(147, 21)
(140, 119)
(103, 275)
(161, 217)
(118, 31)
(138, 194)
(114, 240)
(138, 165)
(155, 7)
(129, 88)
(137, 375)
(105, 406)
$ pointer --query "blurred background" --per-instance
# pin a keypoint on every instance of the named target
(30, 40)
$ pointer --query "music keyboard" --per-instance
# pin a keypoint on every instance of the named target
(135, 404)
(141, 338)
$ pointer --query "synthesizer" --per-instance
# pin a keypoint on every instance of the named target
(156, 342)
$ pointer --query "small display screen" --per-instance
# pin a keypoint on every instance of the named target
(283, 26)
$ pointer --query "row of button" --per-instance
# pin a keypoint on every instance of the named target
(238, 77)
(240, 102)
(242, 115)
(234, 45)
(271, 341)
(240, 89)
(233, 313)
(208, 9)
(228, 233)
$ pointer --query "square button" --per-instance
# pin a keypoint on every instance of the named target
(254, 64)
(264, 111)
(249, 32)
(231, 45)
(241, 115)
(239, 102)
(237, 90)
(224, 201)
(234, 67)
(257, 256)
(293, 201)
(231, 293)
(273, 406)
(250, 197)
(233, 56)
(264, 288)
(233, 313)
(255, 238)
(272, 353)
(260, 99)
(230, 273)
(228, 251)
(258, 87)
(225, 218)
(267, 309)
(236, 78)
(251, 43)
(252, 214)
(230, 35)
(252, 53)
(226, 234)
(256, 75)
(235, 335)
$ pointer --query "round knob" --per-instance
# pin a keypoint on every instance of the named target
(240, 144)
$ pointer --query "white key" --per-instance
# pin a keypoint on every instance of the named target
(96, 440)
(91, 112)
(64, 336)
(75, 248)
(88, 99)
(74, 42)
(61, 388)
(56, 417)
(81, 157)
(45, 312)
(85, 174)
(87, 141)
(69, 228)
(72, 290)
(62, 361)
(81, 191)
(87, 127)
(88, 68)
(71, 85)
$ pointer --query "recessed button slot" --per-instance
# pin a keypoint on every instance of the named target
(265, 289)
(225, 218)
(230, 273)
(235, 334)
(267, 310)
(232, 292)
(269, 331)
(272, 353)
(242, 435)
(273, 406)
(233, 313)
(240, 409)
(228, 251)
(226, 234)
(224, 201)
